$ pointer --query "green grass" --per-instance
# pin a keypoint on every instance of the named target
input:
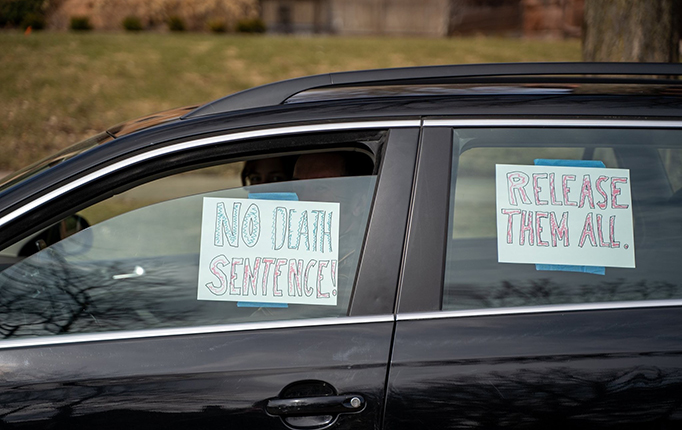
(59, 88)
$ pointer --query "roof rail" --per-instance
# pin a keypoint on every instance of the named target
(278, 92)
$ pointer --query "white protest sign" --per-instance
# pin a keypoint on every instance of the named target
(564, 215)
(269, 251)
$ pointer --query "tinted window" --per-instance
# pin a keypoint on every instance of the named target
(475, 276)
(140, 269)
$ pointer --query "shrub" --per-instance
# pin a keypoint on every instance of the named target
(217, 26)
(132, 23)
(13, 13)
(255, 25)
(80, 23)
(34, 20)
(175, 23)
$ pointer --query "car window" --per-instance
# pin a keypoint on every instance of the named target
(559, 216)
(271, 251)
(184, 184)
(228, 175)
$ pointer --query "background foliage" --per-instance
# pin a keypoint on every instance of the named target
(16, 13)
(59, 88)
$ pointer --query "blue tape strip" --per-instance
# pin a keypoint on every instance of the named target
(268, 196)
(274, 196)
(261, 305)
(569, 163)
(594, 270)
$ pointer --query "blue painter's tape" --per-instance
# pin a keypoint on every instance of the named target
(569, 163)
(261, 305)
(274, 196)
(594, 270)
(268, 196)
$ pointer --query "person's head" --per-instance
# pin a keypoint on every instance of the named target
(266, 170)
(331, 165)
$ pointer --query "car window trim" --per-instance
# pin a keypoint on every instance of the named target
(380, 263)
(602, 123)
(425, 245)
(540, 309)
(188, 331)
(196, 143)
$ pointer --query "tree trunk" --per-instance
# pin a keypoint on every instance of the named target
(632, 30)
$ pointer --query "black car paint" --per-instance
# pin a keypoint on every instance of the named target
(597, 369)
(592, 369)
(217, 380)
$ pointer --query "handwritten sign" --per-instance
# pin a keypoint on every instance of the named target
(269, 251)
(564, 215)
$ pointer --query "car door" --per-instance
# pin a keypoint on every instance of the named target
(104, 328)
(542, 341)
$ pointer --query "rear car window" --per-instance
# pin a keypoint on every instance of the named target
(563, 216)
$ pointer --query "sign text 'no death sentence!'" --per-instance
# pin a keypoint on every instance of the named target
(269, 251)
(564, 215)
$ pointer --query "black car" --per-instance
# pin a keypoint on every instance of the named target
(478, 246)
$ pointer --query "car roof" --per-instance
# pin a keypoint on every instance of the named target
(148, 121)
(537, 73)
(452, 89)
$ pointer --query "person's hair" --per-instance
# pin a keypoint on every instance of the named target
(357, 164)
(288, 163)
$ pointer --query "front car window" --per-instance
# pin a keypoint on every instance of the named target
(511, 192)
(274, 251)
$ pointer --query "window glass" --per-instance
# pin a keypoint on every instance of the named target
(197, 181)
(141, 269)
(672, 160)
(167, 188)
(481, 273)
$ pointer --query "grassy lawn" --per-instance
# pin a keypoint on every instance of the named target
(59, 88)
